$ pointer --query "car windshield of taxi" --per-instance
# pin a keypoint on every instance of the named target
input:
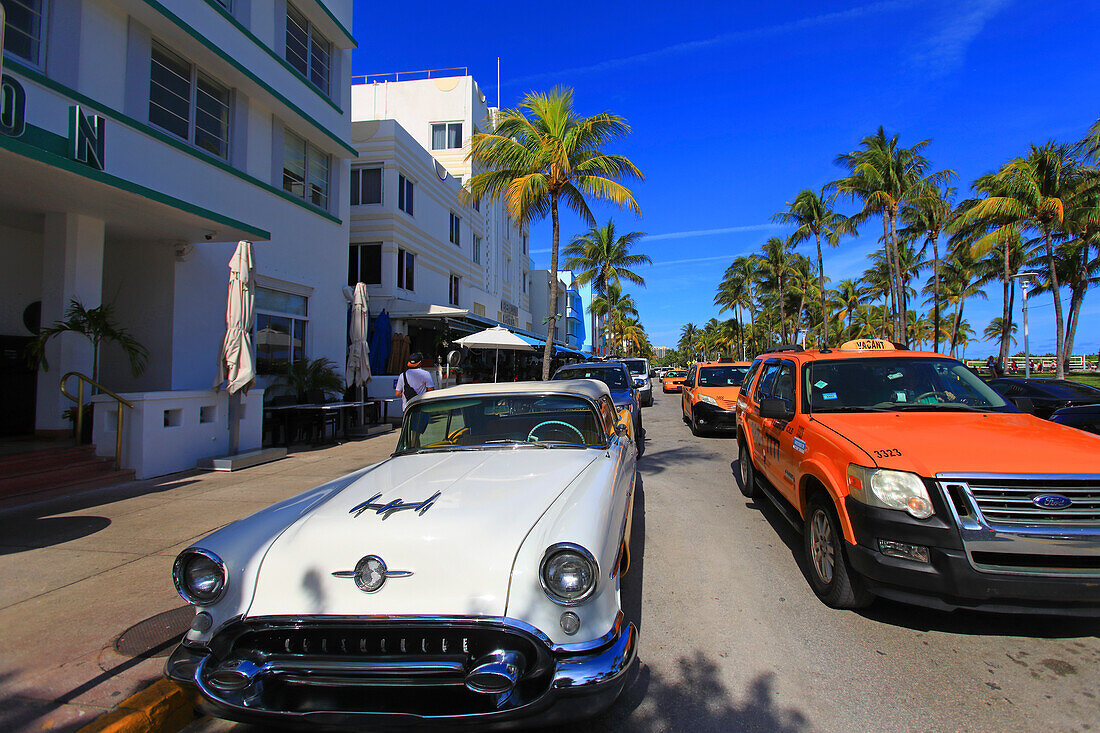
(895, 384)
(542, 421)
(676, 374)
(722, 376)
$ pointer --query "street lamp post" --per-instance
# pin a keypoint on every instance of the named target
(1027, 281)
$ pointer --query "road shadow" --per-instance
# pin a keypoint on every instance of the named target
(661, 461)
(696, 700)
(33, 533)
(920, 618)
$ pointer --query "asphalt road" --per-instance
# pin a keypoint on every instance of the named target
(732, 637)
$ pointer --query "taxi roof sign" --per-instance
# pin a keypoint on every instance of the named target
(867, 345)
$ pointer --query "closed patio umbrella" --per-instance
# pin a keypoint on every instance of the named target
(358, 365)
(236, 368)
(496, 338)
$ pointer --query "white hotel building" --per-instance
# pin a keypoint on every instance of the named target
(139, 140)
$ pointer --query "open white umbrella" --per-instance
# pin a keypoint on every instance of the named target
(236, 368)
(496, 338)
(358, 365)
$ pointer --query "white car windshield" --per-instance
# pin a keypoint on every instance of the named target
(897, 384)
(636, 366)
(501, 420)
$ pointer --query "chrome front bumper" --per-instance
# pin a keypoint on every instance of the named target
(580, 684)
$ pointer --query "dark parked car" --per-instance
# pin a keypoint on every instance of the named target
(1084, 417)
(616, 376)
(1042, 397)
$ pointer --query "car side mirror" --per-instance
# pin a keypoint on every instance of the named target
(620, 429)
(776, 409)
(1024, 404)
(653, 372)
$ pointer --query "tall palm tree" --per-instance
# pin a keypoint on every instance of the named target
(1082, 224)
(1030, 192)
(996, 328)
(886, 176)
(542, 154)
(961, 282)
(602, 256)
(777, 265)
(737, 289)
(689, 335)
(926, 217)
(610, 305)
(850, 294)
(811, 214)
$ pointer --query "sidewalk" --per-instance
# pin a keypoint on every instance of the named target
(79, 571)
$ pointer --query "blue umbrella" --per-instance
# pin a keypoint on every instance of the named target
(380, 335)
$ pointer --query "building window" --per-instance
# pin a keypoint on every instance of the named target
(456, 230)
(305, 170)
(306, 49)
(478, 309)
(282, 325)
(452, 291)
(406, 265)
(446, 135)
(365, 264)
(405, 194)
(477, 204)
(24, 28)
(477, 249)
(524, 279)
(524, 244)
(188, 103)
(366, 186)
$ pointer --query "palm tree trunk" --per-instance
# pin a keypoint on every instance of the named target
(1006, 311)
(552, 322)
(1059, 344)
(821, 286)
(900, 275)
(891, 296)
(783, 313)
(936, 292)
(1077, 297)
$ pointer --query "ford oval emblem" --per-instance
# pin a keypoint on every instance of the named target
(1051, 501)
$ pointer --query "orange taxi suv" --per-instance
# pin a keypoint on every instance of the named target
(911, 479)
(673, 380)
(709, 395)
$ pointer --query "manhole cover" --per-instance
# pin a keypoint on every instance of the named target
(155, 637)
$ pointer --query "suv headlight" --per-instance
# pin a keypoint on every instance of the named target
(708, 399)
(568, 573)
(888, 489)
(200, 576)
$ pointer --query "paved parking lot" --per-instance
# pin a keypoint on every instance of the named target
(732, 637)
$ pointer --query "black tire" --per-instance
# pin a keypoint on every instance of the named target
(639, 436)
(694, 425)
(746, 478)
(834, 582)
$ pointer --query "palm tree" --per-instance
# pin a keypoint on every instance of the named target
(927, 216)
(610, 305)
(689, 335)
(886, 177)
(811, 214)
(542, 154)
(961, 282)
(850, 294)
(1082, 223)
(603, 257)
(1029, 192)
(736, 290)
(996, 328)
(777, 265)
(99, 327)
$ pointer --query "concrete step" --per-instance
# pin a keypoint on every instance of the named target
(42, 465)
(35, 493)
(53, 476)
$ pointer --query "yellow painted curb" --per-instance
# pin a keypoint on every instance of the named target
(164, 706)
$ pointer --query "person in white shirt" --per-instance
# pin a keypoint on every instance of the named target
(413, 381)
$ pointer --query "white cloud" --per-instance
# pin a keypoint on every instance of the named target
(709, 232)
(677, 49)
(945, 51)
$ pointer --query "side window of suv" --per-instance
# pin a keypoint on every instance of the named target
(784, 384)
(753, 369)
(767, 378)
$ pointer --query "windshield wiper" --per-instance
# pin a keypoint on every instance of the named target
(512, 441)
(951, 406)
(854, 409)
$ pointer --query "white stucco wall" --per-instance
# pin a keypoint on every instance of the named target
(20, 278)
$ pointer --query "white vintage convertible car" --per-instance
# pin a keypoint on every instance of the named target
(471, 578)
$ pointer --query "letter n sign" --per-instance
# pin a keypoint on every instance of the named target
(86, 137)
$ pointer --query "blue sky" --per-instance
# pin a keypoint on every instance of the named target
(737, 106)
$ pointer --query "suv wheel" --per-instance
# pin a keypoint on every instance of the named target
(695, 430)
(836, 584)
(746, 472)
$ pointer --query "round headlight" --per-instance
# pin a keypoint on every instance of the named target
(568, 574)
(200, 576)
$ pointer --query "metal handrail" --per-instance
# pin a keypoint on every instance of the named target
(419, 73)
(79, 400)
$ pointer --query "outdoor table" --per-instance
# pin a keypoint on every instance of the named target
(287, 415)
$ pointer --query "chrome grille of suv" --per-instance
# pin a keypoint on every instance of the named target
(1010, 501)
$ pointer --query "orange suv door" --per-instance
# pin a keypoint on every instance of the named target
(687, 391)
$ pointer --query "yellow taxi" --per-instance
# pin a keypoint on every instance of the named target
(911, 479)
(708, 396)
(673, 380)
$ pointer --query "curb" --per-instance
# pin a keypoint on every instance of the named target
(164, 706)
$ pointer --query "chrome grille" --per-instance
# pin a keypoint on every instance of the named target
(1010, 501)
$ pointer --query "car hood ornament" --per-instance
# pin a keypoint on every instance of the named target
(393, 506)
(370, 573)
